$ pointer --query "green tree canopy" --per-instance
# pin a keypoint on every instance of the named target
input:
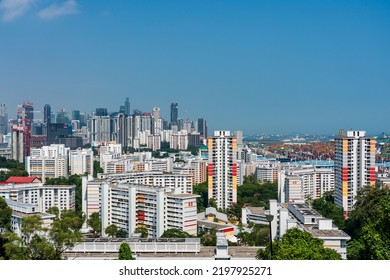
(5, 215)
(209, 238)
(298, 245)
(368, 225)
(175, 233)
(111, 230)
(95, 223)
(202, 201)
(326, 207)
(125, 252)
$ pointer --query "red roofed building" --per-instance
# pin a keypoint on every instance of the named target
(22, 180)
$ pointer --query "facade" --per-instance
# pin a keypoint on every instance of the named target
(354, 167)
(81, 161)
(298, 182)
(179, 140)
(154, 142)
(55, 131)
(129, 206)
(30, 190)
(48, 162)
(222, 169)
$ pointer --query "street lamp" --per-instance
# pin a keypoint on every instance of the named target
(269, 219)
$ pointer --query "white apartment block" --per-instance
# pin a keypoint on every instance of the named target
(118, 166)
(99, 128)
(196, 168)
(81, 161)
(267, 172)
(47, 167)
(154, 142)
(354, 167)
(179, 140)
(222, 169)
(48, 162)
(21, 210)
(298, 182)
(129, 206)
(42, 196)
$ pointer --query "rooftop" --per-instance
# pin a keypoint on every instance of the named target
(22, 180)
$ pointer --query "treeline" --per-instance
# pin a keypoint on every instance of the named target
(15, 167)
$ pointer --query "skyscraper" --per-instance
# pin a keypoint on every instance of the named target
(101, 112)
(354, 167)
(222, 169)
(202, 128)
(174, 113)
(47, 114)
(76, 115)
(3, 119)
(127, 107)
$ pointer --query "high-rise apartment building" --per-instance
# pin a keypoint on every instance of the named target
(222, 169)
(354, 167)
(48, 162)
(81, 161)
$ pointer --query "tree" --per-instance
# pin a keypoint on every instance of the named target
(326, 207)
(175, 233)
(54, 210)
(5, 215)
(65, 232)
(36, 245)
(368, 225)
(111, 230)
(97, 168)
(41, 249)
(209, 238)
(14, 247)
(212, 203)
(125, 252)
(95, 223)
(298, 245)
(202, 201)
(13, 172)
(143, 230)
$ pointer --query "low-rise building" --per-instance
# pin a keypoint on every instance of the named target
(30, 190)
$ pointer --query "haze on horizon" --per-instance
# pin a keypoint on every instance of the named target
(256, 66)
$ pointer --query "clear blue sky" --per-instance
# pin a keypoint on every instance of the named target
(257, 66)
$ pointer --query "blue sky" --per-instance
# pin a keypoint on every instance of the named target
(257, 66)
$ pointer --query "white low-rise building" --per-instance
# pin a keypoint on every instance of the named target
(30, 190)
(21, 210)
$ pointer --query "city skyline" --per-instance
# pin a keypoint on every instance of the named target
(254, 66)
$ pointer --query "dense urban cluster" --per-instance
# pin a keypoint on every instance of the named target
(112, 181)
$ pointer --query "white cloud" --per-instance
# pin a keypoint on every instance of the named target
(68, 7)
(13, 9)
